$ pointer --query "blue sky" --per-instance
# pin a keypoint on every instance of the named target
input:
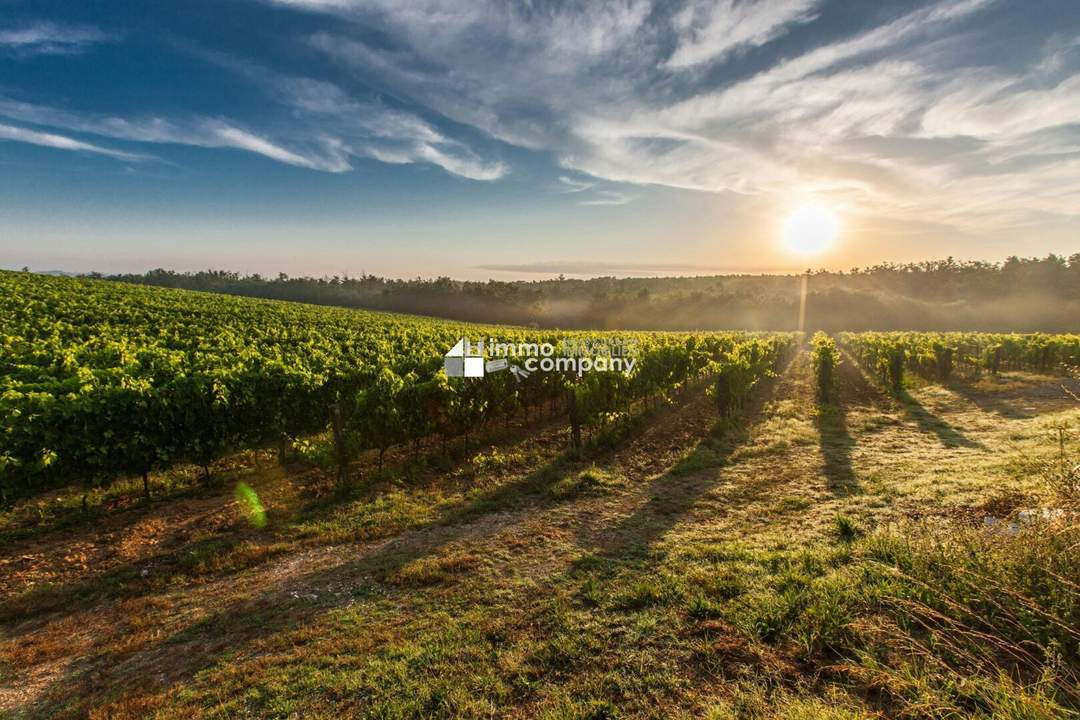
(476, 138)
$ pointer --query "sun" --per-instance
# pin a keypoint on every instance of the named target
(810, 229)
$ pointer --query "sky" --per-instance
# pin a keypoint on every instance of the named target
(522, 139)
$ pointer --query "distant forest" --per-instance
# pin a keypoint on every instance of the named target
(1024, 295)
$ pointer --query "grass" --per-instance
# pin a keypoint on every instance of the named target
(846, 528)
(673, 571)
(62, 509)
(592, 480)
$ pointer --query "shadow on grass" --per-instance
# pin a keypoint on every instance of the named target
(933, 424)
(675, 492)
(184, 481)
(121, 508)
(836, 445)
(272, 609)
(163, 570)
(276, 607)
(928, 422)
(234, 630)
(127, 581)
(988, 402)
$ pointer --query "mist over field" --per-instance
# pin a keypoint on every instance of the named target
(1017, 295)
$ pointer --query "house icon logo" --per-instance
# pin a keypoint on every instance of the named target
(464, 360)
(467, 360)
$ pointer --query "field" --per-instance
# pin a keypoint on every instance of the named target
(750, 525)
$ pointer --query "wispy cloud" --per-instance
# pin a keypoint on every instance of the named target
(242, 140)
(861, 119)
(46, 38)
(62, 142)
(570, 185)
(333, 130)
(198, 131)
(591, 192)
(606, 197)
(321, 127)
(361, 128)
(709, 30)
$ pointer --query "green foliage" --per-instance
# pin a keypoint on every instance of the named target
(100, 380)
(740, 369)
(935, 356)
(824, 357)
(884, 353)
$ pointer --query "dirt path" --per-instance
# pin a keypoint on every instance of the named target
(138, 534)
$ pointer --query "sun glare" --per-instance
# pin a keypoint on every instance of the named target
(810, 229)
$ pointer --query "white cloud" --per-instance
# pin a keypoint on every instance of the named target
(606, 197)
(898, 117)
(61, 142)
(333, 129)
(323, 128)
(242, 140)
(711, 30)
(335, 126)
(590, 192)
(564, 32)
(459, 163)
(372, 129)
(1000, 107)
(46, 38)
(861, 119)
(570, 185)
(198, 132)
(795, 82)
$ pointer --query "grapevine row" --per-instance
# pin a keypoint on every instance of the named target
(102, 380)
(936, 356)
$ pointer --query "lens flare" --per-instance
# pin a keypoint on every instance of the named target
(253, 508)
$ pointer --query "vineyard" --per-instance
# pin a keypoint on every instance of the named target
(102, 380)
(935, 356)
(737, 525)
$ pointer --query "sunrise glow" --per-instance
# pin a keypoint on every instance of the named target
(810, 229)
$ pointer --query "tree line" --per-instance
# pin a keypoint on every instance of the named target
(1018, 294)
